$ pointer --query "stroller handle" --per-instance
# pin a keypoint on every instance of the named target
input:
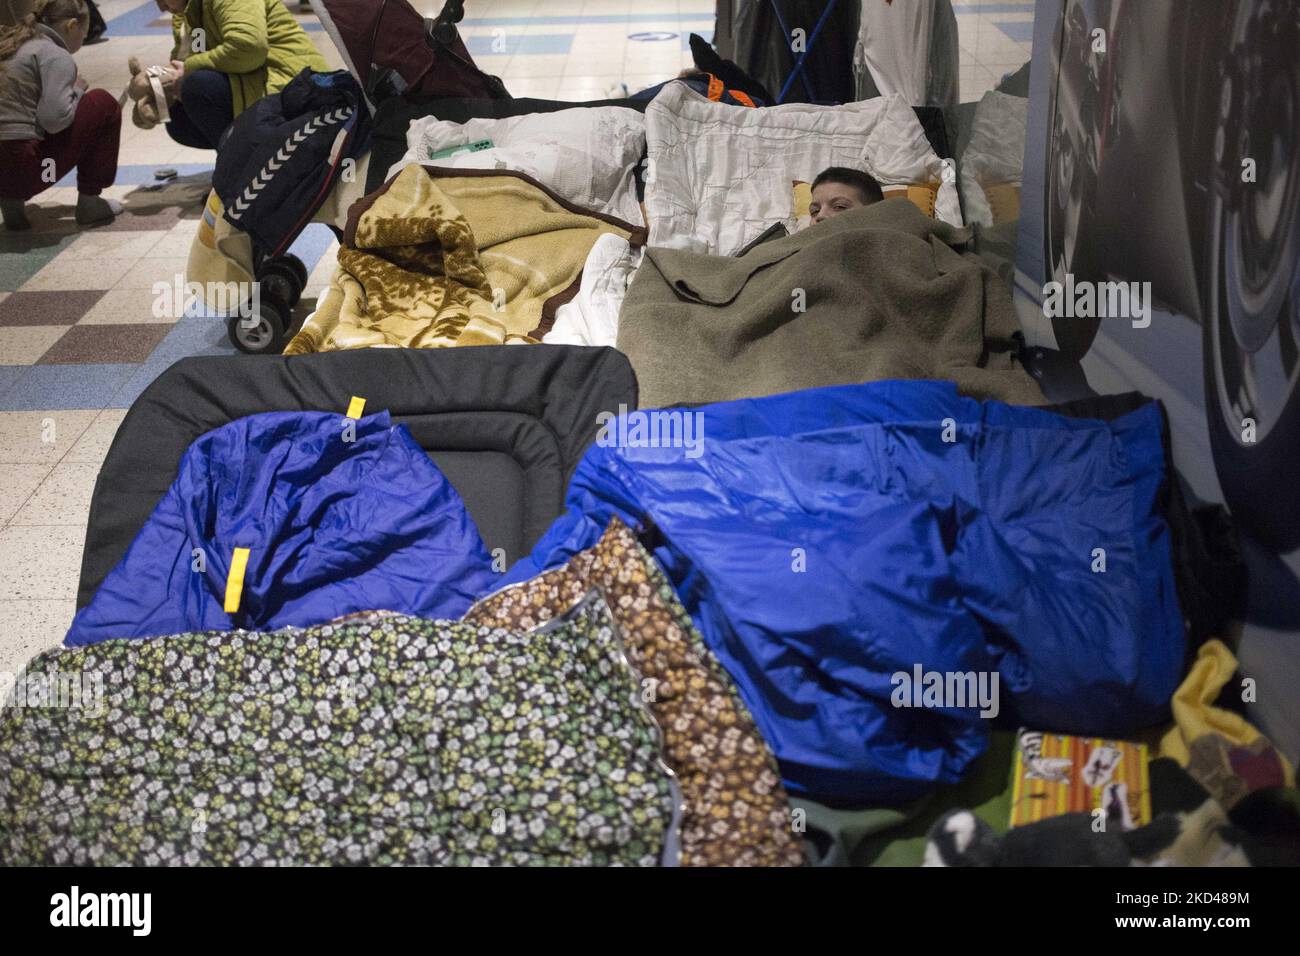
(453, 11)
(442, 28)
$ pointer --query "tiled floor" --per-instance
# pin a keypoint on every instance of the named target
(82, 331)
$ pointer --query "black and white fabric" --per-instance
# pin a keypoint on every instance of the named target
(282, 156)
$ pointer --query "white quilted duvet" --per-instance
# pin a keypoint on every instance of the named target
(718, 175)
(586, 155)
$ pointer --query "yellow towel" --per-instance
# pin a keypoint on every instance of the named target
(1202, 733)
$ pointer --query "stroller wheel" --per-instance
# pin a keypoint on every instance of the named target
(300, 270)
(285, 277)
(277, 284)
(262, 331)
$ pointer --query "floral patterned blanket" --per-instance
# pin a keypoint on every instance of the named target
(380, 739)
(735, 809)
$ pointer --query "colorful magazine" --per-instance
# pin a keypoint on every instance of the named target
(1055, 774)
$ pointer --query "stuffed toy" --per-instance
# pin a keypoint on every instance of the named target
(960, 838)
(154, 92)
(1190, 828)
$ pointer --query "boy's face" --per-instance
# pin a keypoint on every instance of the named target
(830, 199)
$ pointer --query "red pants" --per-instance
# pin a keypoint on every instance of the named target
(89, 144)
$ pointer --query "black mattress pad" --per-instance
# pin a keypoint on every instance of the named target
(507, 425)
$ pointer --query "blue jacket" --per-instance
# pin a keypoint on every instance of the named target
(827, 540)
(332, 526)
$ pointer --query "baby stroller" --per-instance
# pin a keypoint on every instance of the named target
(290, 149)
(281, 165)
(394, 51)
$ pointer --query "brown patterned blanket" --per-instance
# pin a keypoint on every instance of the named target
(440, 257)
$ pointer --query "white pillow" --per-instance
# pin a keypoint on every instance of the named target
(995, 152)
(585, 155)
(718, 175)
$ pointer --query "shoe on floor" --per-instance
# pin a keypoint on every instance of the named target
(93, 210)
(15, 214)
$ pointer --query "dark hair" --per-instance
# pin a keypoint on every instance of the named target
(864, 184)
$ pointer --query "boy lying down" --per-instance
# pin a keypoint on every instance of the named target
(835, 190)
(839, 188)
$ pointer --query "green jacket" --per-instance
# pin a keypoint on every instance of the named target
(257, 43)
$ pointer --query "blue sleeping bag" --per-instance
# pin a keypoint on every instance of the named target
(827, 540)
(332, 526)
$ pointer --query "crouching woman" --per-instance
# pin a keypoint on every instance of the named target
(231, 54)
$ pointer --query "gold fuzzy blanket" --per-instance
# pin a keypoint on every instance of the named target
(441, 257)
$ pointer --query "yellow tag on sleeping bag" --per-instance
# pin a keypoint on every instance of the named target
(235, 580)
(356, 407)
